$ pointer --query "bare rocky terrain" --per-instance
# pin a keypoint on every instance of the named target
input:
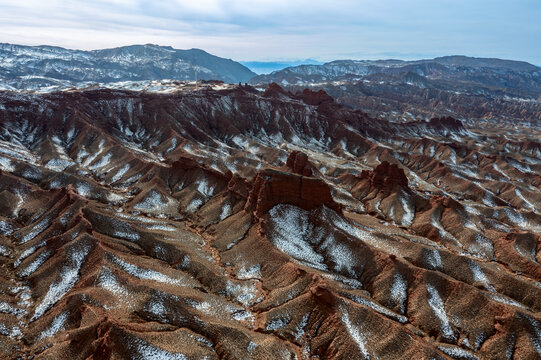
(225, 222)
(462, 87)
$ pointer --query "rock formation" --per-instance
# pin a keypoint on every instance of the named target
(238, 224)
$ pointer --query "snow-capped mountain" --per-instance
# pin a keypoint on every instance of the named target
(457, 86)
(32, 67)
(486, 72)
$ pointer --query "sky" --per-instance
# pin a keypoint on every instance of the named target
(270, 30)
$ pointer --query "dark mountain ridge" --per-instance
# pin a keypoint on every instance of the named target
(458, 86)
(30, 67)
(448, 67)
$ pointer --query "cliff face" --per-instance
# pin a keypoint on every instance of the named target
(271, 187)
(386, 175)
(238, 224)
(298, 163)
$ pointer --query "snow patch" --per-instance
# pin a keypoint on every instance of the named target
(68, 277)
(356, 333)
(437, 305)
(399, 291)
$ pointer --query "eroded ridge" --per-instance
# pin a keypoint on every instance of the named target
(238, 224)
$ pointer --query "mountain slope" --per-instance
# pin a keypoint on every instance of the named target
(30, 67)
(458, 86)
(238, 224)
(266, 67)
(460, 60)
(455, 68)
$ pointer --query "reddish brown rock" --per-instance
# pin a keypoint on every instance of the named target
(322, 294)
(446, 122)
(307, 96)
(274, 90)
(272, 187)
(298, 163)
(315, 98)
(386, 175)
(445, 203)
(140, 281)
(239, 185)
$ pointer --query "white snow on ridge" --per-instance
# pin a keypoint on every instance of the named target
(34, 265)
(243, 292)
(146, 351)
(154, 201)
(17, 152)
(254, 272)
(240, 142)
(293, 232)
(342, 256)
(36, 230)
(409, 213)
(277, 323)
(479, 275)
(437, 305)
(399, 291)
(433, 259)
(101, 162)
(527, 202)
(4, 251)
(204, 188)
(506, 300)
(123, 170)
(56, 325)
(457, 353)
(435, 221)
(146, 274)
(6, 165)
(194, 205)
(379, 308)
(226, 211)
(68, 277)
(356, 333)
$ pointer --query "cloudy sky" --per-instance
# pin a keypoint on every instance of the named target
(285, 29)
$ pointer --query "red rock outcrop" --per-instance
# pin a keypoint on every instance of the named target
(314, 97)
(446, 122)
(388, 175)
(272, 187)
(385, 176)
(274, 90)
(239, 186)
(307, 96)
(298, 163)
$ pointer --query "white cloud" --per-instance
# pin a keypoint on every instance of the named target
(272, 29)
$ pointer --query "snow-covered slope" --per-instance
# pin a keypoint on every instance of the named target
(237, 224)
(494, 73)
(34, 67)
(458, 86)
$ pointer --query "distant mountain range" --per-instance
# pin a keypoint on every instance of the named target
(266, 67)
(38, 67)
(31, 67)
(489, 72)
(458, 86)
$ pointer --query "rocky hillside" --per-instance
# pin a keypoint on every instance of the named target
(35, 67)
(397, 90)
(237, 224)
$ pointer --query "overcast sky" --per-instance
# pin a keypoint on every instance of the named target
(285, 29)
